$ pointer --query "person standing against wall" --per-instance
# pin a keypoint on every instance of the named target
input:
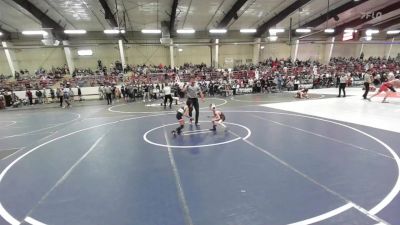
(39, 96)
(29, 95)
(193, 90)
(367, 82)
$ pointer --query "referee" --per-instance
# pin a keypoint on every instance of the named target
(193, 91)
(367, 82)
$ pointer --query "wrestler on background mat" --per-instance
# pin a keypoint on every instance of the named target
(387, 87)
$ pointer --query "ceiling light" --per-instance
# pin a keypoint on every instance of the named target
(34, 32)
(111, 31)
(1, 34)
(276, 30)
(273, 38)
(370, 31)
(114, 31)
(151, 31)
(248, 30)
(329, 30)
(180, 49)
(75, 31)
(393, 32)
(185, 31)
(303, 30)
(262, 47)
(218, 31)
(85, 52)
(349, 30)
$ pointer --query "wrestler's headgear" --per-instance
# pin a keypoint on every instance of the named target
(212, 106)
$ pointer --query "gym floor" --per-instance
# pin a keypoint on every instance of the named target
(281, 160)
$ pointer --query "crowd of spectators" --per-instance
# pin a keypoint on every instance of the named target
(269, 76)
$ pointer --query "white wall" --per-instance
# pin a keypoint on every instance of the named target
(4, 68)
(345, 50)
(370, 50)
(235, 52)
(146, 54)
(106, 53)
(193, 54)
(32, 59)
(374, 50)
(311, 51)
(278, 50)
(395, 50)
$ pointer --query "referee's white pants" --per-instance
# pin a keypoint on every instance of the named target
(146, 94)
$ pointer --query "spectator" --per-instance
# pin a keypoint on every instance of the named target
(79, 93)
(39, 96)
(29, 96)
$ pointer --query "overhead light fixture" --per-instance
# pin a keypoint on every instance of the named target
(85, 52)
(114, 31)
(276, 30)
(34, 32)
(185, 31)
(1, 34)
(180, 50)
(369, 32)
(349, 30)
(303, 30)
(75, 31)
(393, 32)
(111, 31)
(144, 31)
(262, 47)
(273, 38)
(218, 31)
(248, 30)
(329, 30)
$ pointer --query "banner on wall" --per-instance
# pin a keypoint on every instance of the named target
(302, 86)
(245, 90)
(228, 60)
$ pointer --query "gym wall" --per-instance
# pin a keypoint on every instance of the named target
(4, 68)
(229, 55)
